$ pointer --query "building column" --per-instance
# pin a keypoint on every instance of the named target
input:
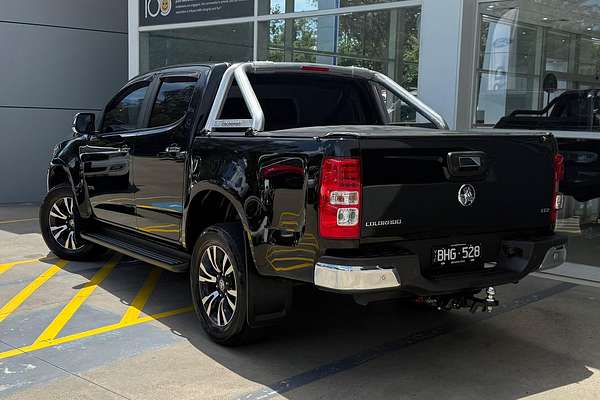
(133, 37)
(447, 58)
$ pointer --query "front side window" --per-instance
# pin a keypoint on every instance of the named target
(122, 113)
(172, 100)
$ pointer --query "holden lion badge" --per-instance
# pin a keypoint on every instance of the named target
(165, 7)
(466, 195)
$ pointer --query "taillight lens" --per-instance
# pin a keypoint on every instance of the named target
(340, 202)
(559, 173)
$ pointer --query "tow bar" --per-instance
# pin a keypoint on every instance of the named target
(456, 302)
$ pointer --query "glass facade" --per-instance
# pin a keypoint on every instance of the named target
(384, 38)
(289, 6)
(536, 66)
(386, 41)
(532, 52)
(539, 68)
(162, 48)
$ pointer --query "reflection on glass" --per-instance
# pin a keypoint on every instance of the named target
(288, 6)
(522, 42)
(123, 112)
(539, 68)
(398, 111)
(205, 44)
(172, 100)
(385, 41)
(557, 52)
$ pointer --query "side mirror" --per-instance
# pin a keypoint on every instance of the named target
(84, 123)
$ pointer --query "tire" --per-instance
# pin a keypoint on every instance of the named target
(218, 285)
(60, 222)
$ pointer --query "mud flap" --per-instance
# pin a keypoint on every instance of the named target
(269, 299)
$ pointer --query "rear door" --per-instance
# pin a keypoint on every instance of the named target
(107, 157)
(161, 153)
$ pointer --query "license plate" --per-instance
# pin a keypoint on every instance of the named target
(456, 254)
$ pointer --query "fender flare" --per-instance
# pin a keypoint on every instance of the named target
(201, 187)
(79, 191)
(58, 165)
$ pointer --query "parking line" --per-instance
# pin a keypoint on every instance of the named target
(6, 266)
(92, 332)
(14, 221)
(69, 310)
(138, 303)
(24, 294)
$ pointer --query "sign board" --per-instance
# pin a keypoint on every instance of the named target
(160, 12)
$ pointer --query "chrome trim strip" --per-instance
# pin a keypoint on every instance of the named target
(354, 278)
(555, 256)
(239, 73)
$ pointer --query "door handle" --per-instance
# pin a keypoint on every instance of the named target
(467, 163)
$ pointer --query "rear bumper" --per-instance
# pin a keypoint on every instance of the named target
(403, 272)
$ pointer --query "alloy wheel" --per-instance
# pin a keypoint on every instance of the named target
(62, 224)
(217, 285)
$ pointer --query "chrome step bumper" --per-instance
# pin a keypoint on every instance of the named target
(555, 256)
(516, 259)
(355, 278)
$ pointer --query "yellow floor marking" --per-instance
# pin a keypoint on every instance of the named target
(293, 267)
(14, 221)
(69, 310)
(156, 208)
(92, 332)
(6, 266)
(137, 305)
(24, 294)
(159, 226)
(160, 230)
(291, 259)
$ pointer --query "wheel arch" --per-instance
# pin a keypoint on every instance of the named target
(58, 174)
(211, 204)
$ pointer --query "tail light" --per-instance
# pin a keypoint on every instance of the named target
(559, 173)
(340, 202)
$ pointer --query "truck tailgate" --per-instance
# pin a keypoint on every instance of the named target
(412, 185)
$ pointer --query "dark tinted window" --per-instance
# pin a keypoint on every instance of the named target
(300, 100)
(172, 100)
(122, 113)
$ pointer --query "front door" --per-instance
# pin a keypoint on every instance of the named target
(160, 153)
(107, 157)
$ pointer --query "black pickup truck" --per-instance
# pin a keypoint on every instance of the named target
(260, 176)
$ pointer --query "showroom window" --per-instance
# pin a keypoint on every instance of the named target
(386, 41)
(161, 48)
(290, 6)
(539, 68)
(538, 65)
(376, 34)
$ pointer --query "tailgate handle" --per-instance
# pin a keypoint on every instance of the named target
(467, 163)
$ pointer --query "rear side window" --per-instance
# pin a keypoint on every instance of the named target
(398, 111)
(172, 100)
(123, 111)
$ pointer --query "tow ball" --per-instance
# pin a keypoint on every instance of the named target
(456, 302)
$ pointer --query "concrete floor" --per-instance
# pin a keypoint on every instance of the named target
(121, 336)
